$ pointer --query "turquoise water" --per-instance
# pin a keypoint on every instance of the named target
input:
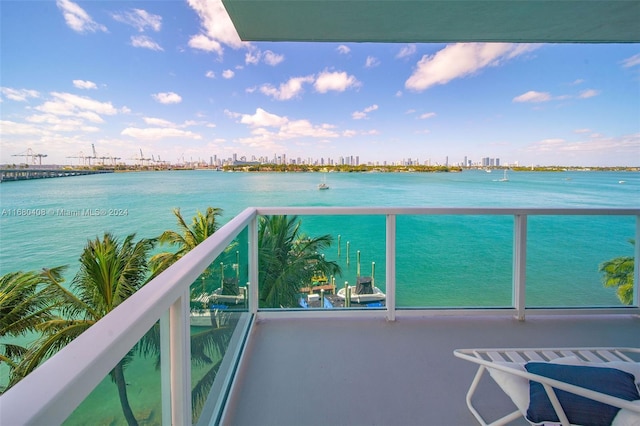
(442, 261)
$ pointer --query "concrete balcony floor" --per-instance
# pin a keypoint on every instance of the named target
(367, 371)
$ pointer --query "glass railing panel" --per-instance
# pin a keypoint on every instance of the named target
(564, 255)
(218, 299)
(454, 261)
(306, 262)
(141, 381)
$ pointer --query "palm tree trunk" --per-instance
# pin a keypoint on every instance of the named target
(118, 373)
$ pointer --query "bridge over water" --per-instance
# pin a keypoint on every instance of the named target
(7, 175)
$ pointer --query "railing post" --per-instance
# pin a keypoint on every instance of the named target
(254, 292)
(180, 360)
(519, 264)
(636, 267)
(165, 368)
(391, 268)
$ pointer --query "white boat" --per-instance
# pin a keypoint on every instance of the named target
(363, 292)
(228, 299)
(504, 177)
(323, 185)
(376, 296)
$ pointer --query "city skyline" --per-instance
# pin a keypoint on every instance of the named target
(172, 81)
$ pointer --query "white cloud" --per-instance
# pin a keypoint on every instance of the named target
(20, 95)
(210, 74)
(631, 61)
(261, 118)
(336, 81)
(323, 83)
(145, 42)
(157, 133)
(139, 19)
(158, 122)
(343, 50)
(533, 96)
(67, 104)
(359, 115)
(83, 84)
(205, 43)
(167, 97)
(228, 74)
(20, 129)
(461, 60)
(577, 82)
(589, 93)
(596, 143)
(268, 130)
(216, 26)
(427, 115)
(288, 90)
(77, 19)
(252, 56)
(56, 124)
(406, 51)
(371, 62)
(272, 59)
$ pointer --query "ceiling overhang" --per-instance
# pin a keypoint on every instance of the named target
(437, 21)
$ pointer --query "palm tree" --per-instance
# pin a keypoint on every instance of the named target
(27, 299)
(618, 273)
(287, 260)
(206, 343)
(109, 273)
(202, 226)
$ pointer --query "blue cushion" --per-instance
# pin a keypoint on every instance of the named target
(579, 410)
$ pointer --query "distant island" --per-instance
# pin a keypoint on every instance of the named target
(311, 168)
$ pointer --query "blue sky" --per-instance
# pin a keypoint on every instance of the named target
(172, 78)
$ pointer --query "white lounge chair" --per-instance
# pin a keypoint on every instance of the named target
(554, 386)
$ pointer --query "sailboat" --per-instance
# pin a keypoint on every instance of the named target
(323, 185)
(504, 177)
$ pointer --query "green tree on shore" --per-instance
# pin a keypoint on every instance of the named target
(287, 260)
(110, 272)
(618, 274)
(27, 300)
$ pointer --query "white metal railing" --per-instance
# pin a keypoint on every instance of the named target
(51, 393)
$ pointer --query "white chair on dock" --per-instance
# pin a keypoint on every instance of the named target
(567, 386)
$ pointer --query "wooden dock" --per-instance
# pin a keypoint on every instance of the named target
(10, 175)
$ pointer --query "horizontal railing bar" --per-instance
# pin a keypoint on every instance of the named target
(481, 211)
(58, 386)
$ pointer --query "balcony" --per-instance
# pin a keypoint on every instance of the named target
(360, 365)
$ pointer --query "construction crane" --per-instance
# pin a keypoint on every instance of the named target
(80, 156)
(142, 159)
(111, 159)
(32, 155)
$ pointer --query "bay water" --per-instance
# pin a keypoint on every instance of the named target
(442, 261)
